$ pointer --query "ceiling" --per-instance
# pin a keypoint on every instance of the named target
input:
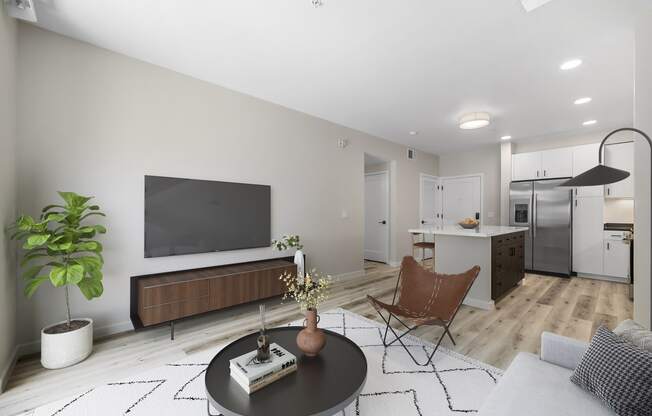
(387, 67)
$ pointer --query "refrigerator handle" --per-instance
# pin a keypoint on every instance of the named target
(535, 214)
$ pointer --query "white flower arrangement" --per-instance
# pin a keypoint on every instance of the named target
(287, 241)
(308, 292)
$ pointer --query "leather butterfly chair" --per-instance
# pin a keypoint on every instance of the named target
(425, 298)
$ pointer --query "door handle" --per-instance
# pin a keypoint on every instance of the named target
(608, 246)
(385, 222)
(423, 222)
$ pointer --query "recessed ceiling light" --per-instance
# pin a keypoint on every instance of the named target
(590, 122)
(583, 100)
(474, 121)
(573, 63)
(413, 133)
(505, 137)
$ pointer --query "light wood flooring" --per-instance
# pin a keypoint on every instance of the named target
(572, 307)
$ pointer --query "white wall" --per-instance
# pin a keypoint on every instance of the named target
(95, 122)
(7, 191)
(483, 159)
(643, 121)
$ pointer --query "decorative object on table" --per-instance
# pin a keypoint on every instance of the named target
(263, 340)
(425, 297)
(618, 373)
(605, 175)
(309, 292)
(292, 241)
(469, 223)
(59, 248)
(252, 375)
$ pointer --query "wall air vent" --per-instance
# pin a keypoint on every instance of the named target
(411, 153)
(21, 9)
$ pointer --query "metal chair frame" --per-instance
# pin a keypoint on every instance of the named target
(439, 322)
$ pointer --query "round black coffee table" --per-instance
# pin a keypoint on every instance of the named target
(322, 385)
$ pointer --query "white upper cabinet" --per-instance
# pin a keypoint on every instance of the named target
(586, 157)
(620, 156)
(526, 166)
(557, 163)
(548, 164)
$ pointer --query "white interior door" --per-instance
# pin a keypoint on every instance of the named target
(430, 201)
(376, 204)
(461, 198)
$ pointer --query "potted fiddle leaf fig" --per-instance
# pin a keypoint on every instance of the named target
(60, 248)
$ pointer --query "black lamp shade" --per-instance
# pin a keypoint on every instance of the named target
(599, 175)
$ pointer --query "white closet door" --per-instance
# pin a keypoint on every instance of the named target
(430, 204)
(588, 225)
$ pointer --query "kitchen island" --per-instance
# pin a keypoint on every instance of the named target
(498, 250)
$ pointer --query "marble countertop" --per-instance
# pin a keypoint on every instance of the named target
(483, 231)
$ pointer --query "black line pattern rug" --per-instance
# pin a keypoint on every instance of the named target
(452, 385)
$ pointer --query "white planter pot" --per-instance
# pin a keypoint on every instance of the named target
(68, 348)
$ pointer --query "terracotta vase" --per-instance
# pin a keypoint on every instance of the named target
(311, 339)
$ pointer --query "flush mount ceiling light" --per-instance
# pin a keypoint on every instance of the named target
(413, 133)
(571, 64)
(505, 137)
(589, 122)
(474, 121)
(583, 100)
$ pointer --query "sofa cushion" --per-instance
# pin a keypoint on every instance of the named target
(534, 387)
(618, 372)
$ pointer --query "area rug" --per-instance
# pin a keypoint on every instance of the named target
(452, 385)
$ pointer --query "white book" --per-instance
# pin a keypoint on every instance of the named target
(264, 381)
(248, 369)
(252, 375)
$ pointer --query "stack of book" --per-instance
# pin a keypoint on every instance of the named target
(252, 375)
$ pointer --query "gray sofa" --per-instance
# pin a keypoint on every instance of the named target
(534, 386)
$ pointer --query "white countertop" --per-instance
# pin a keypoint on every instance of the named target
(482, 231)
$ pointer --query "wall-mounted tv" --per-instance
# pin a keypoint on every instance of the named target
(186, 216)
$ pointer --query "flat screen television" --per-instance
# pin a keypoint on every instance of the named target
(186, 216)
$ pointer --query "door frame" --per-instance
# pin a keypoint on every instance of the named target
(471, 175)
(388, 242)
(423, 176)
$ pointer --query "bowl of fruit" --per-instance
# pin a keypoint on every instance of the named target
(469, 223)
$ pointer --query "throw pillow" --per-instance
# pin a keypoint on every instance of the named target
(635, 333)
(618, 373)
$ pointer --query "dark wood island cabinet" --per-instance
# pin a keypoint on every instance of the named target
(507, 263)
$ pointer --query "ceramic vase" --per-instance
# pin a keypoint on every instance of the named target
(67, 348)
(311, 339)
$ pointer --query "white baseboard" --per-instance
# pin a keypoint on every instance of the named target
(6, 371)
(482, 304)
(349, 275)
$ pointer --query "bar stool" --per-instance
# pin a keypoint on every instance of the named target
(418, 242)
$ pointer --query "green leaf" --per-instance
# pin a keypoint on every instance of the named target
(94, 207)
(55, 217)
(60, 247)
(36, 240)
(89, 263)
(91, 288)
(25, 223)
(75, 273)
(93, 246)
(100, 229)
(58, 276)
(31, 272)
(92, 213)
(34, 284)
(32, 256)
(49, 207)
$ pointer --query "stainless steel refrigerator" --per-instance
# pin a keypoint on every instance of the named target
(545, 208)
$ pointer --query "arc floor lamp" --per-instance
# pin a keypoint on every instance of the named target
(604, 175)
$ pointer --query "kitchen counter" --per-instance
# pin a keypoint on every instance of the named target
(483, 231)
(498, 250)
